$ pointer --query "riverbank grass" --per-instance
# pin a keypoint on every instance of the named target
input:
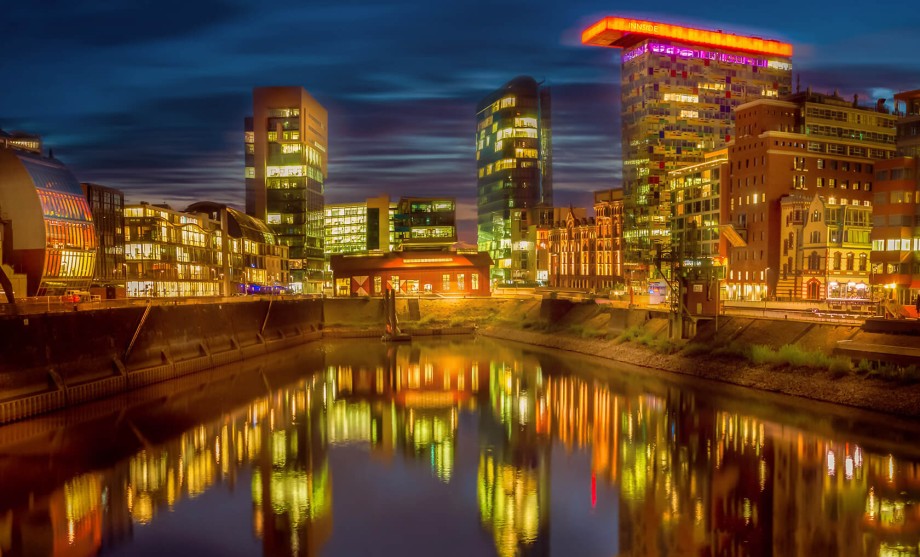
(788, 355)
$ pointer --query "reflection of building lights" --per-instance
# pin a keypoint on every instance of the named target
(848, 464)
(831, 463)
(890, 469)
(887, 550)
(872, 505)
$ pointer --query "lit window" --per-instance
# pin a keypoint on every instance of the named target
(681, 97)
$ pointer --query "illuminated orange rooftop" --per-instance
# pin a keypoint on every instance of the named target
(623, 32)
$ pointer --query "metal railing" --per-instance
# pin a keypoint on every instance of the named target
(55, 304)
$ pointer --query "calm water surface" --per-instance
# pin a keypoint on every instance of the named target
(463, 447)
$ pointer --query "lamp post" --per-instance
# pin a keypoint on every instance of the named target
(766, 289)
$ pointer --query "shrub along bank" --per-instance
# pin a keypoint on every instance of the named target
(795, 358)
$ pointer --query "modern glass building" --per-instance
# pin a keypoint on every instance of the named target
(357, 227)
(52, 239)
(679, 87)
(424, 223)
(695, 232)
(108, 208)
(286, 161)
(252, 260)
(514, 162)
(208, 250)
(170, 253)
(376, 224)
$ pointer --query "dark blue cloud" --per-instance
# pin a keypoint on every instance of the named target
(150, 95)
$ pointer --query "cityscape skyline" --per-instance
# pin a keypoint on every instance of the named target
(155, 110)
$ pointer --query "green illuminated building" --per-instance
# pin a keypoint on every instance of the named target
(514, 162)
(285, 149)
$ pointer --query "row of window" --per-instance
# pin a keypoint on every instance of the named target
(64, 263)
(896, 244)
(173, 289)
(410, 286)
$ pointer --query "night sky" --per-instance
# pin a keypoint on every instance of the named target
(150, 96)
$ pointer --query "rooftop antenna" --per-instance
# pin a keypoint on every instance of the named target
(798, 83)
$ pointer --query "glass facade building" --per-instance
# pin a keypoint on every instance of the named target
(108, 208)
(252, 260)
(358, 227)
(376, 224)
(679, 87)
(514, 163)
(170, 253)
(209, 250)
(286, 163)
(424, 223)
(53, 239)
(695, 227)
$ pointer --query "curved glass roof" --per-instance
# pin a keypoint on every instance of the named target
(239, 224)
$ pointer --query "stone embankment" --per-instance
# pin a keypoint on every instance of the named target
(52, 360)
(641, 338)
(57, 359)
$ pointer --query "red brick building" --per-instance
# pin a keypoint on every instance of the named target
(803, 144)
(586, 253)
(412, 272)
(895, 236)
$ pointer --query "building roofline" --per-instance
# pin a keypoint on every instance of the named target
(772, 102)
(907, 95)
(622, 32)
(710, 163)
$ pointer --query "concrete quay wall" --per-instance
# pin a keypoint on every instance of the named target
(52, 360)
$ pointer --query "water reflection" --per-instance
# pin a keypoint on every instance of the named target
(688, 474)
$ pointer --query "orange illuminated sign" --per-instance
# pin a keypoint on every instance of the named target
(620, 32)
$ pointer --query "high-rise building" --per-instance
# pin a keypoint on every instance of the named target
(679, 87)
(803, 144)
(514, 161)
(286, 142)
